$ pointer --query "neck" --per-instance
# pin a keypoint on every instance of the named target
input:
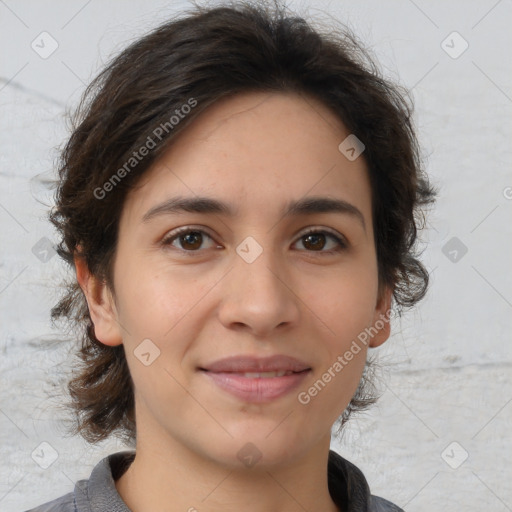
(169, 477)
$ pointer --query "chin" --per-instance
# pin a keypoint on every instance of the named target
(256, 445)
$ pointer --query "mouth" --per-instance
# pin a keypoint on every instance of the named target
(257, 380)
(262, 375)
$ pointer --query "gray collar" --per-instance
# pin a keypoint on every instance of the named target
(347, 486)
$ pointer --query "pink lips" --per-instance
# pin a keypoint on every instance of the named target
(230, 375)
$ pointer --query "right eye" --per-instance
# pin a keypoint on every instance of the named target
(189, 238)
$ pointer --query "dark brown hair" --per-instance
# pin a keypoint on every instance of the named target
(196, 59)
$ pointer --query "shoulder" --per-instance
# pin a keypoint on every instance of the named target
(65, 503)
(98, 492)
(382, 505)
(349, 488)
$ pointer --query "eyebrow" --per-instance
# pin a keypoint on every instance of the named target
(207, 205)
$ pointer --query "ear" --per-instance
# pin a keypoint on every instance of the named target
(101, 304)
(381, 319)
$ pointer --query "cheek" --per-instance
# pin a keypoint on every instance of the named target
(154, 301)
(346, 310)
(157, 335)
(332, 386)
(346, 304)
(159, 315)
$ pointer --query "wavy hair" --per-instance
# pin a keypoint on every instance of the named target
(208, 54)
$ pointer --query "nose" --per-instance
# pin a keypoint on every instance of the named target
(259, 296)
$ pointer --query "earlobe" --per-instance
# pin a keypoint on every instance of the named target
(101, 304)
(382, 319)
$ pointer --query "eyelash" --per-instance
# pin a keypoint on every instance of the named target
(167, 241)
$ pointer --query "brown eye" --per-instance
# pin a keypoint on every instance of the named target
(189, 240)
(316, 241)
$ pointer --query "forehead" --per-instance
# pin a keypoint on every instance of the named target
(257, 151)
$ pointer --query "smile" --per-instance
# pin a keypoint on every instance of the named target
(257, 387)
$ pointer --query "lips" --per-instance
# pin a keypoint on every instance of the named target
(251, 364)
(254, 379)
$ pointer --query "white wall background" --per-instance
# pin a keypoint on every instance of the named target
(448, 364)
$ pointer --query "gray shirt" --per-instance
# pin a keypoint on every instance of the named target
(347, 485)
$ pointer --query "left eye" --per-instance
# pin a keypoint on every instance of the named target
(192, 239)
(314, 236)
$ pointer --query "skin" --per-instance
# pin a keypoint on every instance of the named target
(256, 151)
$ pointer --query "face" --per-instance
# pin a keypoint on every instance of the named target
(193, 288)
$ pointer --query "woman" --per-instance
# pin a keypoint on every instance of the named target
(239, 200)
